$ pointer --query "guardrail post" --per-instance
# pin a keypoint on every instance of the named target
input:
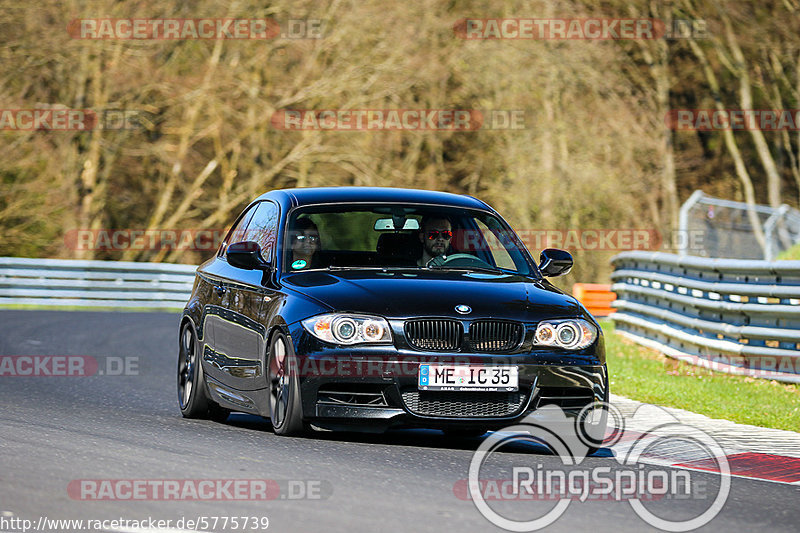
(683, 220)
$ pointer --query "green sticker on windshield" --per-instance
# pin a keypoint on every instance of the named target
(297, 265)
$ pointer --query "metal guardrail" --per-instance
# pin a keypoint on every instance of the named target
(732, 315)
(65, 282)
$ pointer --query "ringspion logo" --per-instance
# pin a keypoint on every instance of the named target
(570, 438)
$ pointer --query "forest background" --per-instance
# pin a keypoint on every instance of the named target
(595, 152)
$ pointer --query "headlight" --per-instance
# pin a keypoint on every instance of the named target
(342, 328)
(572, 334)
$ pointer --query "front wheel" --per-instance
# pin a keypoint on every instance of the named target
(285, 408)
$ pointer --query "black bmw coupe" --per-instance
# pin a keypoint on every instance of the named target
(369, 308)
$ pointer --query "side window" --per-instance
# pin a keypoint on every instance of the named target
(237, 233)
(496, 248)
(263, 228)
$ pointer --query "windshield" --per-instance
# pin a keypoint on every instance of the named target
(401, 236)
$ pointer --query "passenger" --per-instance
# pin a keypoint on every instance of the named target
(305, 244)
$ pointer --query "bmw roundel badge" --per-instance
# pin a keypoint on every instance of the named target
(463, 309)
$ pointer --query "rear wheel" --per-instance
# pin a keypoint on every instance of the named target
(192, 398)
(285, 409)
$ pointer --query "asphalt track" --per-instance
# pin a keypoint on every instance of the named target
(55, 430)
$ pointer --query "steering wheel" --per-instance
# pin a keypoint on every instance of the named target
(457, 260)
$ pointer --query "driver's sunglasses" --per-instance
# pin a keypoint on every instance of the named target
(311, 238)
(446, 235)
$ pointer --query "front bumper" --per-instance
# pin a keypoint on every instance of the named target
(376, 387)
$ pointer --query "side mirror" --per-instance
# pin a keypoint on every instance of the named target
(554, 262)
(246, 255)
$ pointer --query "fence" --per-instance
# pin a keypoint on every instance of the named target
(727, 230)
(64, 282)
(731, 315)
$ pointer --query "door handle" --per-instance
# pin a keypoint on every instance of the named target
(220, 290)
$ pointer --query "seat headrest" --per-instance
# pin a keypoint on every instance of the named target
(405, 246)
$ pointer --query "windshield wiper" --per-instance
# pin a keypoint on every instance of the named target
(353, 267)
(340, 267)
(489, 270)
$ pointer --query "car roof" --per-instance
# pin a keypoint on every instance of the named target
(333, 195)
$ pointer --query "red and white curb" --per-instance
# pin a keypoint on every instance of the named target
(751, 452)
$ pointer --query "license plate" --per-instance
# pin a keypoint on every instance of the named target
(468, 378)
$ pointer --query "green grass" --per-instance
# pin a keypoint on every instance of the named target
(647, 376)
(791, 253)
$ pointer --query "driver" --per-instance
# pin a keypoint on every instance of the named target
(435, 234)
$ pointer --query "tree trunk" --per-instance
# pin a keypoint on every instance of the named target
(733, 148)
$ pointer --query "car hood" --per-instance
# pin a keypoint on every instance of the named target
(410, 293)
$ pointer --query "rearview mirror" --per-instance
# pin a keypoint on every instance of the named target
(388, 224)
(554, 262)
(246, 255)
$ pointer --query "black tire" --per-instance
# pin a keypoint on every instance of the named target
(217, 413)
(192, 397)
(285, 407)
